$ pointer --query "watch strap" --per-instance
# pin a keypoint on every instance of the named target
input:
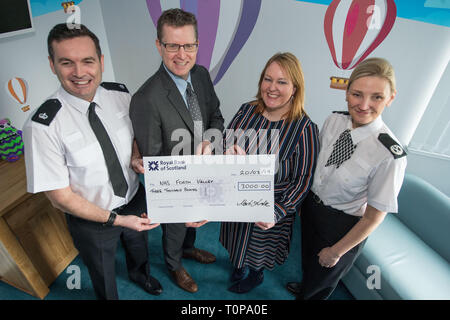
(111, 219)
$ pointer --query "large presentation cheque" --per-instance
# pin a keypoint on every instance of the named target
(213, 188)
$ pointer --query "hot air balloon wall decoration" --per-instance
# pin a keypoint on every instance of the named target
(68, 6)
(17, 89)
(353, 29)
(207, 14)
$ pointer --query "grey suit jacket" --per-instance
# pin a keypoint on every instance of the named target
(157, 109)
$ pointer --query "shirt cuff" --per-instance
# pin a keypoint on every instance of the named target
(383, 207)
(55, 185)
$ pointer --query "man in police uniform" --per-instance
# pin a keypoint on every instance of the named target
(78, 152)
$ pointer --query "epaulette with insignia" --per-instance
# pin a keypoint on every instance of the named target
(47, 111)
(114, 86)
(342, 112)
(392, 145)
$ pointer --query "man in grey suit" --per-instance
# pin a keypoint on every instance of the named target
(178, 101)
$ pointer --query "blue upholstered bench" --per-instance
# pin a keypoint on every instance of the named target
(408, 255)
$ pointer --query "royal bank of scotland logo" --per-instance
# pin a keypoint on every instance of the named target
(153, 166)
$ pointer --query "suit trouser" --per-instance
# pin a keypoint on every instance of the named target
(176, 239)
(97, 246)
(323, 226)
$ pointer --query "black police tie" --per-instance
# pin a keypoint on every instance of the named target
(116, 176)
(193, 105)
(343, 149)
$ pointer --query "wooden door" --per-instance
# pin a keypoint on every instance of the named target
(42, 231)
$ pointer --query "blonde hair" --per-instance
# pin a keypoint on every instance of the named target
(292, 67)
(377, 67)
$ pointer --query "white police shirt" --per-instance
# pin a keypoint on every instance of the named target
(67, 153)
(373, 175)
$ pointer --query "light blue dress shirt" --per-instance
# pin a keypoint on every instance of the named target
(180, 83)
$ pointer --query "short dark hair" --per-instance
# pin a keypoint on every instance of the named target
(176, 18)
(61, 32)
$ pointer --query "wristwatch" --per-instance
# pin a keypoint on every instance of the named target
(111, 219)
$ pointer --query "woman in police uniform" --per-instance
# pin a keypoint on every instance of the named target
(356, 182)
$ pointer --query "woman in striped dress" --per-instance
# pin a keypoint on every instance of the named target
(279, 107)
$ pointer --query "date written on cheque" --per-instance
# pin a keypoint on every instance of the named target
(230, 309)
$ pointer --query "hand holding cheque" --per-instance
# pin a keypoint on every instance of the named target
(237, 150)
(212, 188)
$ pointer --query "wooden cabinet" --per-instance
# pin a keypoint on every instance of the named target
(35, 244)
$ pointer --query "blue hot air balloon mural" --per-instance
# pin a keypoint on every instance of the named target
(207, 13)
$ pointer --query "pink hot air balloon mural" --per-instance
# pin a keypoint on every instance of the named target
(207, 14)
(353, 29)
(18, 90)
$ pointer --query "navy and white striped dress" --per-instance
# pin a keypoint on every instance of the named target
(247, 244)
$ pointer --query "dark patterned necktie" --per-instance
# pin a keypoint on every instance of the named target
(193, 105)
(115, 172)
(343, 149)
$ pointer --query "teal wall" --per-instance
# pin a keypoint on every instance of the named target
(40, 7)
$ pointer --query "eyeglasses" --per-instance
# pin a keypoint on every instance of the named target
(174, 47)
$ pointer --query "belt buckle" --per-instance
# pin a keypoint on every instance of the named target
(316, 198)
